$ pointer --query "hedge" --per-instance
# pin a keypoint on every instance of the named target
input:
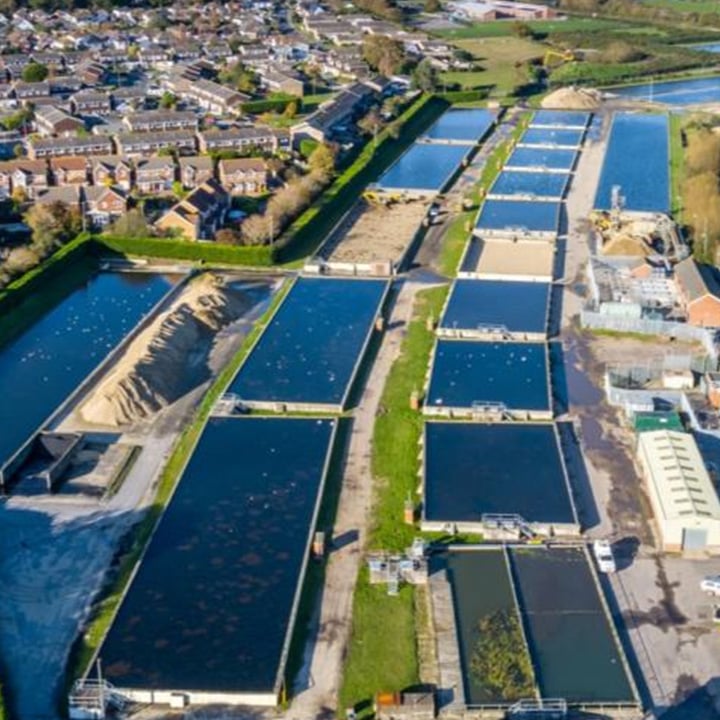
(465, 96)
(304, 235)
(257, 107)
(172, 249)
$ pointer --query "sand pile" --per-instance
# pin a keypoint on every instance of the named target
(572, 98)
(161, 364)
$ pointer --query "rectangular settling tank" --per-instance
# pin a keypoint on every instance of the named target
(560, 118)
(552, 137)
(423, 169)
(472, 469)
(530, 185)
(519, 218)
(531, 158)
(644, 184)
(480, 588)
(211, 608)
(490, 259)
(470, 377)
(309, 353)
(461, 125)
(46, 363)
(497, 307)
(576, 654)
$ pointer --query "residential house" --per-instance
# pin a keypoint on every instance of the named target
(104, 205)
(161, 121)
(31, 92)
(91, 102)
(50, 120)
(29, 177)
(284, 81)
(155, 175)
(200, 215)
(69, 170)
(211, 96)
(242, 139)
(699, 288)
(195, 170)
(243, 176)
(59, 147)
(134, 144)
(110, 170)
(70, 195)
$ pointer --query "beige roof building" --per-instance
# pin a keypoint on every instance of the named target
(684, 500)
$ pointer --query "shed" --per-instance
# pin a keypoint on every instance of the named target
(682, 494)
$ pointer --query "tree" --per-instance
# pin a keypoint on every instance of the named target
(17, 120)
(521, 29)
(371, 123)
(168, 100)
(35, 72)
(228, 236)
(425, 76)
(240, 77)
(290, 110)
(131, 225)
(178, 190)
(383, 54)
(322, 161)
(52, 224)
(432, 6)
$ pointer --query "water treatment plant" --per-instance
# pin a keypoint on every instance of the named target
(368, 484)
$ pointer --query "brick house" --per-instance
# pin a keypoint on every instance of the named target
(195, 170)
(111, 170)
(53, 121)
(104, 205)
(134, 144)
(200, 214)
(62, 147)
(155, 175)
(27, 176)
(69, 170)
(699, 288)
(243, 176)
(70, 195)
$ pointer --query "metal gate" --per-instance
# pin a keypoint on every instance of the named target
(694, 539)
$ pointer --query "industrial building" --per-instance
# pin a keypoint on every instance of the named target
(684, 501)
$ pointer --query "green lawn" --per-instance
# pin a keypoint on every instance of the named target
(677, 164)
(502, 28)
(689, 6)
(383, 653)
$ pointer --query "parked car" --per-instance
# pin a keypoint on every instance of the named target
(711, 584)
(602, 549)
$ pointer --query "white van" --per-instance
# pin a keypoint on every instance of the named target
(602, 549)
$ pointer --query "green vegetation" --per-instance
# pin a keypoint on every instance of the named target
(397, 428)
(500, 660)
(110, 597)
(383, 654)
(501, 28)
(172, 249)
(304, 235)
(677, 165)
(699, 182)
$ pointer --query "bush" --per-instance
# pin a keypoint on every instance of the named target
(278, 105)
(465, 96)
(192, 251)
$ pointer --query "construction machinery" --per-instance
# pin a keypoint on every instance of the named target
(562, 56)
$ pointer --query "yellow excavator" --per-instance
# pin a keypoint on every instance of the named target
(383, 198)
(562, 55)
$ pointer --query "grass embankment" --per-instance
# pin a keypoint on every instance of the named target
(502, 28)
(677, 166)
(457, 235)
(383, 653)
(306, 233)
(108, 601)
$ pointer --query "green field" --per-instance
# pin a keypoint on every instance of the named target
(502, 62)
(503, 28)
(689, 6)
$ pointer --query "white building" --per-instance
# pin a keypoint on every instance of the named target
(682, 494)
